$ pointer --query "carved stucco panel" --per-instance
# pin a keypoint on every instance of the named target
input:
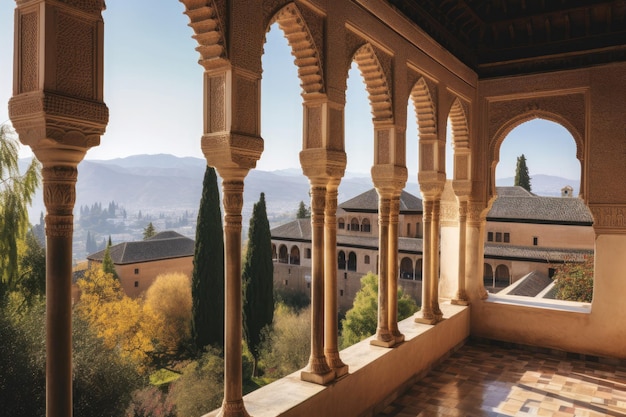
(610, 218)
(314, 127)
(75, 71)
(28, 69)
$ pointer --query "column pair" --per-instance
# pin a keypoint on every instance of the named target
(430, 312)
(324, 169)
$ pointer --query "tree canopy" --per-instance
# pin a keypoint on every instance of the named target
(207, 281)
(258, 280)
(303, 211)
(361, 320)
(574, 280)
(522, 178)
(16, 194)
(149, 231)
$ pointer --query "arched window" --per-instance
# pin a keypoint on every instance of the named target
(406, 268)
(283, 255)
(488, 276)
(352, 261)
(354, 224)
(365, 226)
(502, 278)
(341, 224)
(418, 270)
(366, 259)
(274, 254)
(294, 256)
(341, 260)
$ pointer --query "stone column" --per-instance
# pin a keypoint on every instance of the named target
(383, 335)
(317, 370)
(475, 249)
(434, 265)
(58, 110)
(232, 186)
(461, 294)
(330, 281)
(425, 315)
(394, 212)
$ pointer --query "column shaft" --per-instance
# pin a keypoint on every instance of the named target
(461, 294)
(317, 370)
(426, 314)
(393, 271)
(383, 335)
(434, 265)
(330, 283)
(232, 405)
(59, 197)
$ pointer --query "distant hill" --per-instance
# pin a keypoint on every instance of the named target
(161, 183)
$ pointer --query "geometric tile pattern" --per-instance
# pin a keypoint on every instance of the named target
(486, 380)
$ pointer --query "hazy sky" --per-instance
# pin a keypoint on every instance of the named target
(153, 88)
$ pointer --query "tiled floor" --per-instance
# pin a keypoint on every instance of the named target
(486, 380)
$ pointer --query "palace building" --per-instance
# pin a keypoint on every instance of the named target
(486, 66)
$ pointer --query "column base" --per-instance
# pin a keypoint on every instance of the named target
(397, 336)
(318, 378)
(459, 302)
(233, 409)
(336, 364)
(383, 339)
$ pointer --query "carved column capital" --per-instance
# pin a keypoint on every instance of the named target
(609, 218)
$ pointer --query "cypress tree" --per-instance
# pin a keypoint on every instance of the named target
(207, 282)
(522, 178)
(107, 263)
(258, 280)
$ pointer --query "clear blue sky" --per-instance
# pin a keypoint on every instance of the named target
(153, 87)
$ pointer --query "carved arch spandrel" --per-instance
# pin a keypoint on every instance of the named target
(303, 30)
(206, 18)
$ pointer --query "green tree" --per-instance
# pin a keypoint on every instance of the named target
(303, 211)
(207, 281)
(361, 320)
(574, 280)
(258, 280)
(149, 231)
(16, 194)
(107, 263)
(522, 177)
(32, 269)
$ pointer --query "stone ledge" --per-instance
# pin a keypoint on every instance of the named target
(376, 375)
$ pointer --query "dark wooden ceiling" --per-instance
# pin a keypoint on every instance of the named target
(508, 37)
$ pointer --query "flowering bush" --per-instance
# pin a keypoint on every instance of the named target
(574, 280)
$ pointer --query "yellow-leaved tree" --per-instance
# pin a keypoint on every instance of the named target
(169, 301)
(122, 322)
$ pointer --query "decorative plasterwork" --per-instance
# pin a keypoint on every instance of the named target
(609, 218)
(425, 110)
(206, 18)
(304, 35)
(88, 6)
(374, 67)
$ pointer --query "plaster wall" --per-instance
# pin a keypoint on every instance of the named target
(147, 273)
(597, 123)
(548, 235)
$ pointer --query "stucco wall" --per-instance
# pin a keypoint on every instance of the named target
(147, 272)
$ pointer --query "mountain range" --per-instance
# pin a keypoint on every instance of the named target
(162, 183)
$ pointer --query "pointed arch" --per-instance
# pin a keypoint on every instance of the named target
(424, 108)
(460, 144)
(206, 20)
(303, 48)
(376, 82)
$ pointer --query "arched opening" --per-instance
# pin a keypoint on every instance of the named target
(418, 269)
(352, 261)
(488, 275)
(502, 276)
(294, 255)
(341, 260)
(535, 203)
(354, 224)
(341, 223)
(283, 255)
(365, 226)
(406, 268)
(274, 253)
